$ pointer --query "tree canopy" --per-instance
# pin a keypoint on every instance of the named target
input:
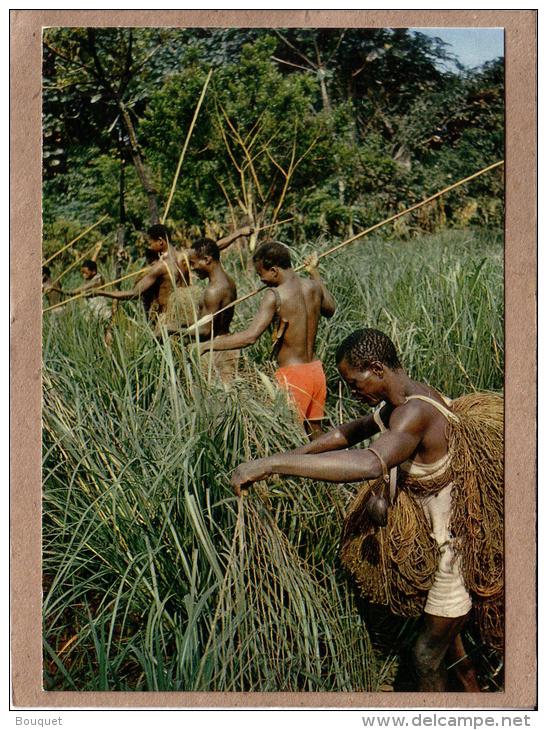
(337, 128)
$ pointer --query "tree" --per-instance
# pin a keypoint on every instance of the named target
(96, 82)
(337, 127)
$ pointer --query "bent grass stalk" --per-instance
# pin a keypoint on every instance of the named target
(155, 576)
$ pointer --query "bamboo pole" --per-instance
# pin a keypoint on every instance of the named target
(409, 210)
(186, 142)
(87, 252)
(71, 243)
(208, 317)
(277, 223)
(103, 286)
(97, 251)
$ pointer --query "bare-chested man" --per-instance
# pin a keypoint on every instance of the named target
(412, 422)
(204, 258)
(163, 280)
(293, 305)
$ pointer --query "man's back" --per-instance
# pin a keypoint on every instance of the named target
(300, 303)
(218, 294)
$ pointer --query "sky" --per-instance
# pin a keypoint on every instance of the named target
(473, 46)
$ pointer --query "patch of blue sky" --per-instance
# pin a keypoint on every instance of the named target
(472, 46)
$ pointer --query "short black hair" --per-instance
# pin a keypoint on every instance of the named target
(273, 253)
(366, 346)
(89, 264)
(46, 271)
(206, 247)
(159, 231)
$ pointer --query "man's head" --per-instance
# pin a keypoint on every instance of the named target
(366, 359)
(271, 259)
(203, 255)
(158, 237)
(46, 273)
(89, 269)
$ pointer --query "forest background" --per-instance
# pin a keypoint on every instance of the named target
(335, 128)
(155, 577)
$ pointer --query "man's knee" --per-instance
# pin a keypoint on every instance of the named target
(427, 657)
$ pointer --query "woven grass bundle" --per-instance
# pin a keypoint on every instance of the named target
(278, 623)
(395, 565)
(182, 308)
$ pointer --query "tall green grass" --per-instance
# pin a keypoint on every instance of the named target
(155, 576)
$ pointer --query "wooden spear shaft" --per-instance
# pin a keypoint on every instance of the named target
(278, 223)
(77, 261)
(208, 318)
(71, 243)
(408, 210)
(103, 286)
(185, 147)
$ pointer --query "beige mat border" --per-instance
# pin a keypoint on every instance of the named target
(520, 261)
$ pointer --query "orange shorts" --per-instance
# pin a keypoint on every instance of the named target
(307, 386)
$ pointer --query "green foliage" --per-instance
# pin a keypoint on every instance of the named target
(253, 122)
(370, 116)
(162, 581)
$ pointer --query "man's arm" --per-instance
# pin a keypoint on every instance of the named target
(394, 446)
(341, 437)
(249, 336)
(227, 240)
(147, 281)
(328, 305)
(86, 286)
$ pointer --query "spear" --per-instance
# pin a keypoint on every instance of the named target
(277, 223)
(103, 286)
(187, 140)
(71, 243)
(209, 317)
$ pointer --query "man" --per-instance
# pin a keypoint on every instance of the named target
(166, 283)
(49, 290)
(204, 259)
(100, 309)
(293, 305)
(442, 541)
(92, 280)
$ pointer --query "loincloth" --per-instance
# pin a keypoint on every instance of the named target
(307, 386)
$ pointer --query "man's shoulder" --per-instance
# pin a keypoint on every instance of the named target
(410, 415)
(310, 285)
(216, 290)
(271, 297)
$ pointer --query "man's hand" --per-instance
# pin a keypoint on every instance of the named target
(311, 263)
(202, 347)
(248, 473)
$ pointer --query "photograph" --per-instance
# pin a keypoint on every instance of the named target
(273, 359)
(273, 411)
